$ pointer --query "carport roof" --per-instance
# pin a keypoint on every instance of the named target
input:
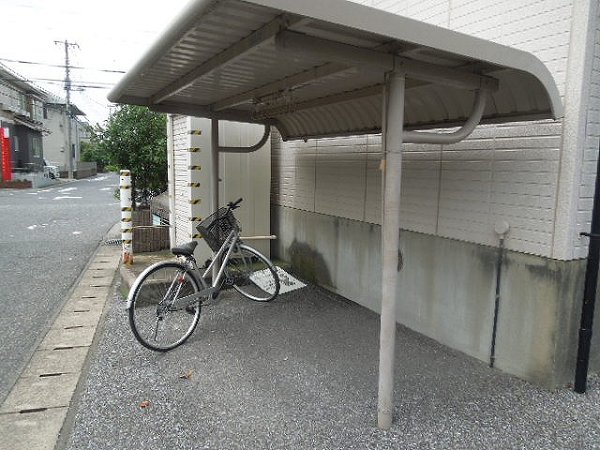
(316, 68)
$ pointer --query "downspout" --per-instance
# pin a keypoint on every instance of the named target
(589, 293)
(215, 150)
(501, 230)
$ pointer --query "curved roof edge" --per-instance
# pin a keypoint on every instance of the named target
(143, 81)
(173, 32)
(410, 30)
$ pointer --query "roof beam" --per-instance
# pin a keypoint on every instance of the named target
(293, 80)
(280, 85)
(330, 51)
(190, 109)
(321, 101)
(254, 39)
(340, 97)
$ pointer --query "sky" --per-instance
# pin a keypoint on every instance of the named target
(111, 35)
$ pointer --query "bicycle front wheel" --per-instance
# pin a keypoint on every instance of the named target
(159, 318)
(252, 274)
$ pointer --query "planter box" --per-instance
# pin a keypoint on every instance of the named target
(150, 238)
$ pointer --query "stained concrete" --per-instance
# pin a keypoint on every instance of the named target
(31, 431)
(446, 291)
(68, 360)
(50, 391)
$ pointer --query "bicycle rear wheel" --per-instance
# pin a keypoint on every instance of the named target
(252, 274)
(158, 321)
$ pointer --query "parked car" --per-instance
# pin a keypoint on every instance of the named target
(51, 171)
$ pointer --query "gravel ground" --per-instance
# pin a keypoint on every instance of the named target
(301, 372)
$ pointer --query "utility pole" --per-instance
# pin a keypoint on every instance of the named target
(68, 44)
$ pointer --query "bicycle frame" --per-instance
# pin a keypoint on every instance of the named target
(230, 244)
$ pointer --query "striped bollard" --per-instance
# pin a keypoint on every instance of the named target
(126, 219)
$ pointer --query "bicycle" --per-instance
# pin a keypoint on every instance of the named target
(166, 299)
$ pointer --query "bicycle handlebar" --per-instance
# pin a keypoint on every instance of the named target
(234, 205)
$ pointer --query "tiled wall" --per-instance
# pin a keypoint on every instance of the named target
(506, 172)
(590, 155)
(181, 141)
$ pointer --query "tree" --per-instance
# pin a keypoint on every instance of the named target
(135, 138)
(90, 152)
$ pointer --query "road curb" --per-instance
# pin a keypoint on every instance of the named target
(35, 411)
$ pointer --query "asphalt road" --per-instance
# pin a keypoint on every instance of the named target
(46, 238)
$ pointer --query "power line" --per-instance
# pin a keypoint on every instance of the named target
(60, 65)
(76, 82)
(80, 83)
(55, 82)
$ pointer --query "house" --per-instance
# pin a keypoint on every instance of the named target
(491, 259)
(21, 122)
(56, 136)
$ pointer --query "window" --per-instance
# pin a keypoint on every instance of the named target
(36, 146)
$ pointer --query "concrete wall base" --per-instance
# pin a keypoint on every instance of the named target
(447, 290)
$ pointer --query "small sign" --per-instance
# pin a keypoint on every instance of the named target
(287, 282)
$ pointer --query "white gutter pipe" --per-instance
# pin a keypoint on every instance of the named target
(422, 137)
(215, 150)
(251, 149)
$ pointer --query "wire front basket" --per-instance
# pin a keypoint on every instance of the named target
(216, 227)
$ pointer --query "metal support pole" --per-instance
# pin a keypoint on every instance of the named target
(390, 236)
(126, 213)
(214, 153)
(214, 163)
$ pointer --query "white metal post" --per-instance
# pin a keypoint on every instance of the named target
(126, 213)
(392, 166)
(171, 179)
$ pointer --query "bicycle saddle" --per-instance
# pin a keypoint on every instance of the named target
(185, 249)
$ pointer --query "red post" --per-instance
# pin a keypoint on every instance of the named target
(6, 160)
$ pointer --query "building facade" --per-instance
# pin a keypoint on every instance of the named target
(21, 119)
(56, 138)
(537, 178)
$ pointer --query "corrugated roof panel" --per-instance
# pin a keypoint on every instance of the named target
(312, 70)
